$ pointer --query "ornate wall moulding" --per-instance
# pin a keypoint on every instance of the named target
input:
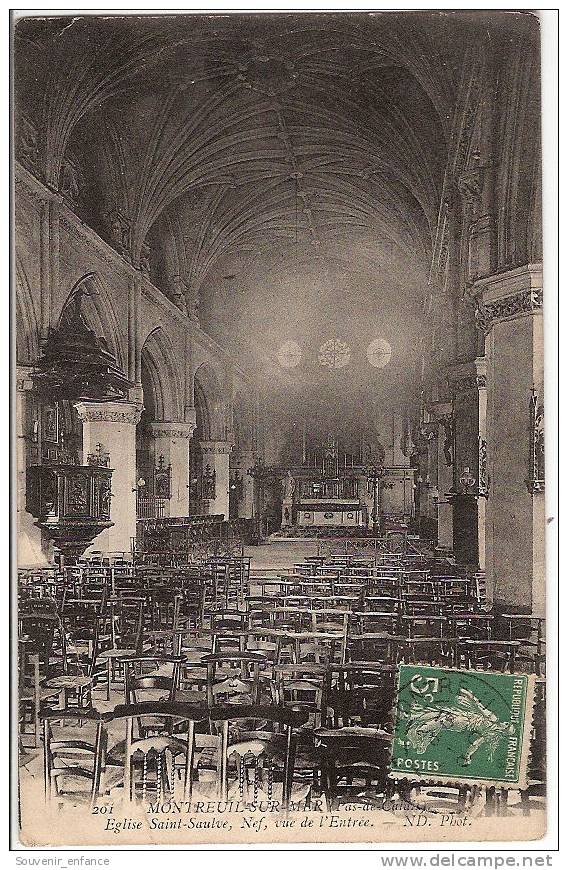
(535, 480)
(27, 143)
(482, 476)
(507, 295)
(518, 304)
(470, 184)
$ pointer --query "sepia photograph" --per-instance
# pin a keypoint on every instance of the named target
(279, 423)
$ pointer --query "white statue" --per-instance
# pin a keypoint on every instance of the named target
(289, 484)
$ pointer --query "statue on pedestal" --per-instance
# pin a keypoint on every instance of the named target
(289, 486)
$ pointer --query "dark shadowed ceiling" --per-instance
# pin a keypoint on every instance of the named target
(281, 173)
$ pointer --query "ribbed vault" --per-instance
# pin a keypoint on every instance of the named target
(218, 134)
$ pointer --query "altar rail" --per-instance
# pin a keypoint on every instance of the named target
(168, 540)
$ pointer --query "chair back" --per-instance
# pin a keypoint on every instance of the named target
(151, 678)
(69, 755)
(233, 677)
(245, 735)
(159, 739)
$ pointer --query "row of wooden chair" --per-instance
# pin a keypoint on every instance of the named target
(163, 749)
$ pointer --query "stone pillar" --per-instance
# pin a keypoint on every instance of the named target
(462, 380)
(171, 441)
(242, 463)
(428, 506)
(482, 483)
(29, 538)
(510, 312)
(442, 412)
(216, 455)
(113, 426)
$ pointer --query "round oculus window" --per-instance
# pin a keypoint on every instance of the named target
(289, 355)
(379, 353)
(334, 354)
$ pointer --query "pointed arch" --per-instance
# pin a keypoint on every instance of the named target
(27, 327)
(163, 393)
(209, 404)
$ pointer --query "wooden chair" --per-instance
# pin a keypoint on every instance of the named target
(355, 762)
(165, 606)
(229, 629)
(529, 631)
(258, 747)
(362, 693)
(66, 757)
(318, 647)
(145, 678)
(39, 631)
(435, 650)
(159, 745)
(373, 636)
(31, 694)
(496, 655)
(234, 677)
(302, 687)
(125, 641)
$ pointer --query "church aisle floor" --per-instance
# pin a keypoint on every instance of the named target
(279, 555)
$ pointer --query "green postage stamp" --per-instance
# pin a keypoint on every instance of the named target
(462, 726)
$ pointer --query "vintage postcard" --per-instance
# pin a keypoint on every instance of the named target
(278, 377)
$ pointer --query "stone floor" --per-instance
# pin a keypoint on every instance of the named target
(274, 555)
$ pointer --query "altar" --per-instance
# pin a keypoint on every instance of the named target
(340, 512)
(329, 501)
(333, 488)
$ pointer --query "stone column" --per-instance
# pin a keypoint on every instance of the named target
(442, 412)
(482, 482)
(29, 538)
(510, 312)
(216, 455)
(171, 441)
(113, 426)
(242, 463)
(462, 381)
(427, 478)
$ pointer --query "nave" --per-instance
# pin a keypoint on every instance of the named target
(218, 681)
(279, 423)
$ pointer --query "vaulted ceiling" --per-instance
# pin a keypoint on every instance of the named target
(252, 157)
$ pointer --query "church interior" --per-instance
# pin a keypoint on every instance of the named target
(279, 395)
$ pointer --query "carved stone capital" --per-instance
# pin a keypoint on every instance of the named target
(126, 413)
(171, 429)
(216, 447)
(462, 377)
(513, 294)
